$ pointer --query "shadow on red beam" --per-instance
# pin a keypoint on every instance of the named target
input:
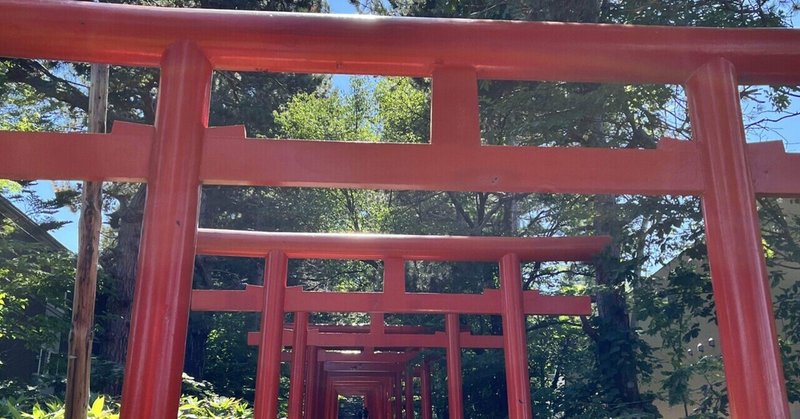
(241, 40)
(388, 329)
(350, 385)
(386, 342)
(383, 246)
(395, 341)
(346, 357)
(438, 340)
(775, 172)
(363, 367)
(123, 155)
(296, 299)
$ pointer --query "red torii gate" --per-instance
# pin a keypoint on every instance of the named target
(309, 391)
(180, 152)
(273, 299)
(317, 396)
(313, 398)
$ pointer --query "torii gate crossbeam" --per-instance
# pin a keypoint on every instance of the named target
(180, 152)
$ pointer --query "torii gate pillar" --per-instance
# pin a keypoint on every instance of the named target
(736, 256)
(160, 316)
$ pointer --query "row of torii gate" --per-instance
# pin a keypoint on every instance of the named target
(318, 379)
(180, 153)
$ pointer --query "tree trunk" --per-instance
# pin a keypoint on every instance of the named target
(616, 355)
(122, 267)
(80, 338)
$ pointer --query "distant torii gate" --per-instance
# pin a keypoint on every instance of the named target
(273, 299)
(180, 152)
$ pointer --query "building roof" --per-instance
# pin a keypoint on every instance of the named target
(27, 226)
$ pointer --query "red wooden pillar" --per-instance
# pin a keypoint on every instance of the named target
(409, 393)
(270, 347)
(455, 121)
(386, 395)
(296, 390)
(166, 256)
(425, 390)
(312, 379)
(334, 405)
(394, 277)
(398, 396)
(372, 401)
(454, 390)
(321, 390)
(753, 369)
(329, 410)
(515, 342)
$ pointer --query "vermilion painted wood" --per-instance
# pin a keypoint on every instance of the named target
(756, 385)
(312, 382)
(358, 330)
(229, 159)
(394, 341)
(123, 155)
(425, 390)
(454, 108)
(269, 355)
(377, 357)
(339, 328)
(536, 51)
(486, 303)
(394, 276)
(672, 170)
(773, 172)
(515, 342)
(377, 324)
(454, 390)
(375, 389)
(298, 372)
(398, 395)
(341, 357)
(249, 300)
(393, 46)
(329, 406)
(359, 367)
(358, 246)
(160, 313)
(408, 394)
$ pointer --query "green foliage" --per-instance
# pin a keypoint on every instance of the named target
(54, 409)
(9, 187)
(673, 312)
(25, 108)
(390, 109)
(214, 407)
(329, 115)
(403, 110)
(781, 222)
(200, 400)
(191, 407)
(33, 282)
(575, 364)
(231, 364)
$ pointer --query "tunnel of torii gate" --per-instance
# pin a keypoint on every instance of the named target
(180, 152)
(509, 301)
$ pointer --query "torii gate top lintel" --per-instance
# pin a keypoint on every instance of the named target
(180, 152)
(394, 46)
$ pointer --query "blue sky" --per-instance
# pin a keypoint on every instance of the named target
(787, 130)
(341, 6)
